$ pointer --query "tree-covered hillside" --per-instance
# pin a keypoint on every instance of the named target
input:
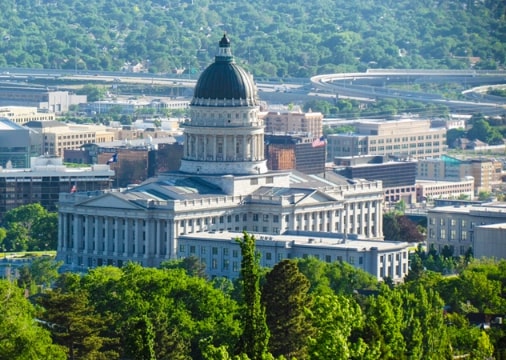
(279, 38)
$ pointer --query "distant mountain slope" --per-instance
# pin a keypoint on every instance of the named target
(272, 38)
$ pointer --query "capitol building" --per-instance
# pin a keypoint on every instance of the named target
(223, 187)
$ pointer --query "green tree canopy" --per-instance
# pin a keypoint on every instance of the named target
(21, 335)
(285, 295)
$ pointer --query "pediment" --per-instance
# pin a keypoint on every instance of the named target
(110, 201)
(315, 197)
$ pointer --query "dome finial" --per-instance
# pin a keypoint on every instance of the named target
(224, 42)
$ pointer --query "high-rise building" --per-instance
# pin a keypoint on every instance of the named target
(223, 185)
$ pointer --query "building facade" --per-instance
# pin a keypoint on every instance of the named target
(294, 122)
(221, 253)
(397, 175)
(294, 152)
(412, 138)
(45, 180)
(16, 145)
(457, 227)
(223, 184)
(50, 100)
(55, 136)
(23, 114)
(486, 173)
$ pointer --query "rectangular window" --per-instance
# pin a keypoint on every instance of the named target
(268, 256)
(214, 251)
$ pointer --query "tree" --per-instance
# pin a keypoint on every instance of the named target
(191, 264)
(25, 214)
(286, 300)
(335, 318)
(255, 337)
(400, 228)
(44, 232)
(453, 134)
(21, 336)
(93, 92)
(75, 324)
(44, 270)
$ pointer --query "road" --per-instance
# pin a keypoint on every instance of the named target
(368, 86)
(373, 84)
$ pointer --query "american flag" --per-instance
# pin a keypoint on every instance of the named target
(319, 142)
(113, 159)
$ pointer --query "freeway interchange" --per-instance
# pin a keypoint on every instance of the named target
(369, 86)
(375, 84)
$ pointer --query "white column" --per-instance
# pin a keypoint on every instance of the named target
(158, 237)
(62, 230)
(136, 239)
(147, 238)
(115, 241)
(127, 239)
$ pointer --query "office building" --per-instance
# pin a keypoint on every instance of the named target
(294, 122)
(479, 227)
(222, 184)
(44, 99)
(221, 253)
(16, 145)
(45, 180)
(397, 175)
(295, 152)
(414, 138)
(486, 173)
(55, 137)
(23, 114)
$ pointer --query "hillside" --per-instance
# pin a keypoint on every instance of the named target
(272, 38)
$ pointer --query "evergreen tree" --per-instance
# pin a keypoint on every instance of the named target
(75, 324)
(255, 336)
(286, 299)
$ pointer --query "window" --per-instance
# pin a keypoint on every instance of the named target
(255, 217)
(275, 218)
(182, 248)
(235, 253)
(214, 251)
(225, 251)
(268, 256)
(265, 217)
(192, 249)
